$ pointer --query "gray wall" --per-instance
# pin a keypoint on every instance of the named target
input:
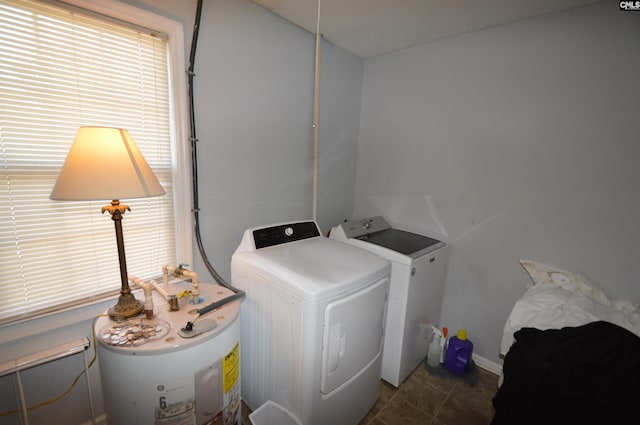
(254, 114)
(254, 110)
(515, 142)
(340, 94)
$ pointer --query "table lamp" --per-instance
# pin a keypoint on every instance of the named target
(105, 163)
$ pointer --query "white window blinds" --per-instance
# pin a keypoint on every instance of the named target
(60, 69)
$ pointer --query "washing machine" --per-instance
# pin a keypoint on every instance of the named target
(312, 322)
(418, 274)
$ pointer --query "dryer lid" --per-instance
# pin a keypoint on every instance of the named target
(313, 268)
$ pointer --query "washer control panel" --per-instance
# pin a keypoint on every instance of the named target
(360, 227)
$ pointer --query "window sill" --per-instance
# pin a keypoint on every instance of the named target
(47, 323)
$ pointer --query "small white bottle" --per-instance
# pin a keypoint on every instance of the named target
(433, 358)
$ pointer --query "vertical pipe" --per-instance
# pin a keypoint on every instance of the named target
(316, 118)
(88, 381)
(23, 402)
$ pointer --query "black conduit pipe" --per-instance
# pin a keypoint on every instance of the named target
(237, 293)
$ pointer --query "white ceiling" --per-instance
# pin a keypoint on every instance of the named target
(372, 27)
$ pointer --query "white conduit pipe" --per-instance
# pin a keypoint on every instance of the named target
(160, 289)
(195, 283)
(141, 283)
(148, 297)
(316, 118)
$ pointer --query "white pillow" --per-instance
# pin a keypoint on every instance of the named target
(546, 274)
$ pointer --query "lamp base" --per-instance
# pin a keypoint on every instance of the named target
(127, 307)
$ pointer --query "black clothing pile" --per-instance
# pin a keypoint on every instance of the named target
(583, 375)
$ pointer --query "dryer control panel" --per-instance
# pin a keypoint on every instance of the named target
(284, 233)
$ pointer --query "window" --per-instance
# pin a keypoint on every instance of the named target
(62, 67)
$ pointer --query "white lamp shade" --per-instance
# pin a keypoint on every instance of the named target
(105, 163)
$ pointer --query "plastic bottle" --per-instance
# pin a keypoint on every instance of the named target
(458, 356)
(443, 343)
(433, 358)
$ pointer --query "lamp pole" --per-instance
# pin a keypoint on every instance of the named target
(127, 306)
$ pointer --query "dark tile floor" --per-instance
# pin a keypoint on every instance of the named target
(424, 399)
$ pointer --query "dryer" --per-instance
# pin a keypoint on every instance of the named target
(418, 274)
(312, 322)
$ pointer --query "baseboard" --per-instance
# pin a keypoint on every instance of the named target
(487, 364)
(98, 420)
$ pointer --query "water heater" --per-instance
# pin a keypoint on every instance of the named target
(152, 375)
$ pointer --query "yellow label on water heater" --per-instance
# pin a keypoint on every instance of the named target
(231, 368)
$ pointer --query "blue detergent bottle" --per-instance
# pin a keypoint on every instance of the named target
(458, 356)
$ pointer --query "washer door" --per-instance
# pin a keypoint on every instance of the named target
(353, 334)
